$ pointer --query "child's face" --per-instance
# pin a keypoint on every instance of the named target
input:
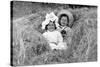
(51, 26)
(64, 21)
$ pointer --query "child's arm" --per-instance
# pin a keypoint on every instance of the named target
(59, 37)
(45, 36)
(69, 35)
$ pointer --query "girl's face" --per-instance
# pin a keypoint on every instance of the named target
(64, 21)
(51, 26)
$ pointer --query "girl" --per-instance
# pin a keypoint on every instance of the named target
(53, 37)
(65, 21)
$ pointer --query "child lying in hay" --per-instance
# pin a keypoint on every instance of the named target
(53, 37)
(65, 22)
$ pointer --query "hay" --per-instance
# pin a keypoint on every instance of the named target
(30, 47)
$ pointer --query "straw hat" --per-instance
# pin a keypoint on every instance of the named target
(48, 18)
(68, 13)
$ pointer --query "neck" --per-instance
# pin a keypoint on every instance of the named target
(63, 26)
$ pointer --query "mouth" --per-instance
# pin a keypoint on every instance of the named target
(63, 24)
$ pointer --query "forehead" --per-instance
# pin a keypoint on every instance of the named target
(51, 23)
(64, 17)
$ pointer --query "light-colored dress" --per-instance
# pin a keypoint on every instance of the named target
(55, 40)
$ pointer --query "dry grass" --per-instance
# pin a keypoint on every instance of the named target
(29, 46)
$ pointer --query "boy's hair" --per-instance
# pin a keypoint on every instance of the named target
(63, 15)
(46, 27)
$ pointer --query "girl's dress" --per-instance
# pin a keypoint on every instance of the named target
(55, 40)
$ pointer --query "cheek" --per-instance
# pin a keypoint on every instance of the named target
(63, 21)
(48, 27)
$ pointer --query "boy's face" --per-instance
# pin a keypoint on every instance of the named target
(51, 26)
(63, 21)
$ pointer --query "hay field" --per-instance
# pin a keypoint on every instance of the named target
(30, 48)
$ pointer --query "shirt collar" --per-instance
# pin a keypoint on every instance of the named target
(63, 27)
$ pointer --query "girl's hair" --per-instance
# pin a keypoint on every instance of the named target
(63, 15)
(46, 27)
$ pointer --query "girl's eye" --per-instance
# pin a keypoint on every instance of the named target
(51, 21)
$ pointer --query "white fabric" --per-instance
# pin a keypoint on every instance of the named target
(55, 40)
(67, 29)
(49, 17)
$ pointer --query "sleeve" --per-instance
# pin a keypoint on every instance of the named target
(44, 35)
(69, 35)
(59, 37)
(69, 32)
